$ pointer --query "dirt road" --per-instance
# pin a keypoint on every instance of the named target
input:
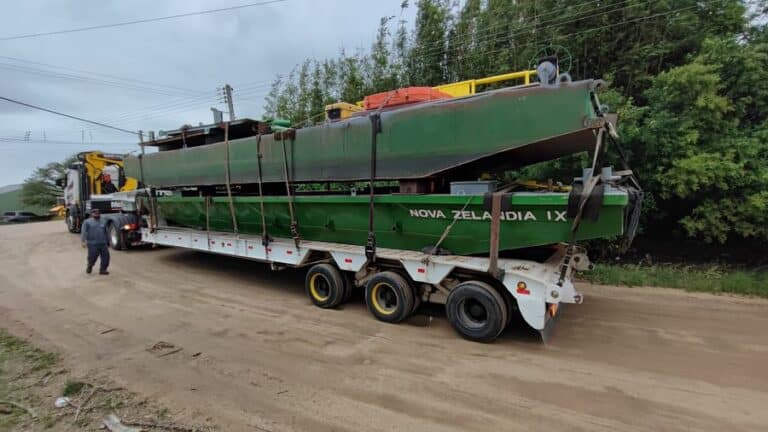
(627, 359)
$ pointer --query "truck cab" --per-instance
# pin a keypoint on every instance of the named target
(97, 180)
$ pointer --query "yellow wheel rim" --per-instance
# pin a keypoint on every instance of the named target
(376, 292)
(313, 288)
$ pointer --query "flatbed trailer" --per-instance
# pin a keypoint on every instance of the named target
(479, 304)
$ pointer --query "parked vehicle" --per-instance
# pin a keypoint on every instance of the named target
(22, 217)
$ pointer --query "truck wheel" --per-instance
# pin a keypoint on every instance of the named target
(389, 297)
(325, 286)
(72, 224)
(115, 237)
(477, 311)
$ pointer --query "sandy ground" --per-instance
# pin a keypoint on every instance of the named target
(627, 359)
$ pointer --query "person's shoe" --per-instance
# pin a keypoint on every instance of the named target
(103, 272)
(88, 269)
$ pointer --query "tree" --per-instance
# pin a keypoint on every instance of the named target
(427, 56)
(40, 189)
(272, 99)
(351, 78)
(709, 128)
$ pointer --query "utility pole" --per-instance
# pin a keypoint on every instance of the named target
(228, 100)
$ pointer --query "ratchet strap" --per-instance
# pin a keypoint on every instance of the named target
(264, 235)
(493, 265)
(227, 179)
(286, 174)
(370, 245)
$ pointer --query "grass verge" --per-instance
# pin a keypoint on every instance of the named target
(713, 279)
(18, 362)
(31, 379)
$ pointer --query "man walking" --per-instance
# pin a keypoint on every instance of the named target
(94, 236)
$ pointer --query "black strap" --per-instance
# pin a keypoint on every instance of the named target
(208, 220)
(370, 245)
(493, 265)
(264, 235)
(294, 223)
(227, 178)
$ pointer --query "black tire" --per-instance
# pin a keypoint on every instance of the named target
(325, 286)
(349, 286)
(73, 224)
(416, 300)
(115, 237)
(477, 311)
(389, 297)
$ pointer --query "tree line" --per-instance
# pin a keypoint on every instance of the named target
(688, 78)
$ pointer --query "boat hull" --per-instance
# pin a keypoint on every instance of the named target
(411, 222)
(502, 128)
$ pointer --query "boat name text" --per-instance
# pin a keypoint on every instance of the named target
(514, 215)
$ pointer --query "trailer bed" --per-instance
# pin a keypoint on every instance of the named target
(537, 288)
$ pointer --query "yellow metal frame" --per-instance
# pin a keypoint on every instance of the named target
(347, 109)
(469, 87)
(94, 163)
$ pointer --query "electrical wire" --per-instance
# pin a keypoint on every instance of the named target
(117, 77)
(67, 115)
(139, 21)
(507, 36)
(83, 79)
(629, 21)
(58, 142)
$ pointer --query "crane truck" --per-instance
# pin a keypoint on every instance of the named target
(97, 180)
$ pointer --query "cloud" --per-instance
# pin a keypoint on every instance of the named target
(245, 48)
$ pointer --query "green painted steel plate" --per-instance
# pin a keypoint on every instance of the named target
(411, 222)
(502, 128)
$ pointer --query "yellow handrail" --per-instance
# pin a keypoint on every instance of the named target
(469, 87)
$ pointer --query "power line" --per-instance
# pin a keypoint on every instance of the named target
(84, 79)
(505, 35)
(140, 21)
(116, 77)
(589, 30)
(59, 142)
(67, 115)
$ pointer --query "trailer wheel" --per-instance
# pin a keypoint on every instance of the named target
(115, 237)
(477, 311)
(325, 286)
(389, 297)
(72, 224)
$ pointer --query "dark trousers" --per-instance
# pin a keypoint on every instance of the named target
(98, 251)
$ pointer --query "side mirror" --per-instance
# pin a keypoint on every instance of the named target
(62, 182)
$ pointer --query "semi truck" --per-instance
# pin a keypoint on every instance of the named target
(358, 204)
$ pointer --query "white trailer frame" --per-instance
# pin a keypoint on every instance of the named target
(535, 286)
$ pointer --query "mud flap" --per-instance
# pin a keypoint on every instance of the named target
(549, 327)
(533, 310)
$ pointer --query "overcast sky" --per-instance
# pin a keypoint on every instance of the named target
(178, 64)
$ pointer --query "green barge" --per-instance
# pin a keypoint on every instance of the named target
(410, 222)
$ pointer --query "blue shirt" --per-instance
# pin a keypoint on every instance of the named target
(94, 232)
